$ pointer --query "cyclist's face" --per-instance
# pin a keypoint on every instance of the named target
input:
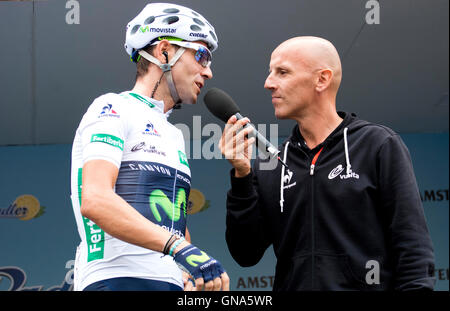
(190, 76)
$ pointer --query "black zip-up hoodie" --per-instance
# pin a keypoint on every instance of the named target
(346, 215)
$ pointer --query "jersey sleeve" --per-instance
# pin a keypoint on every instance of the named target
(102, 131)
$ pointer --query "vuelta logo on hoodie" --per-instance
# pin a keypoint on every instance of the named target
(339, 169)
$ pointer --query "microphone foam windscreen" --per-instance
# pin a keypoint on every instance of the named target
(220, 104)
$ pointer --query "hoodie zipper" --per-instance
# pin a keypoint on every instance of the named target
(311, 173)
(313, 162)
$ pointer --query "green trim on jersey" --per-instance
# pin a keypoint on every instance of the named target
(107, 139)
(142, 99)
(182, 157)
(95, 237)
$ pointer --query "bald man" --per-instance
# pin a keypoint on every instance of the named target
(346, 214)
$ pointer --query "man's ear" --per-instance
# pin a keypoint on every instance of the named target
(325, 77)
(162, 51)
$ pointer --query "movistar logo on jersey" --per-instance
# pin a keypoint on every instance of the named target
(107, 139)
(183, 158)
(172, 210)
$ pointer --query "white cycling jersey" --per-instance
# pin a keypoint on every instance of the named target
(132, 132)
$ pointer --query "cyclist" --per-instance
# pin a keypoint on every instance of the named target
(130, 176)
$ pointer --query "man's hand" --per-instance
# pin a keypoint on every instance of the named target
(207, 272)
(236, 146)
(188, 282)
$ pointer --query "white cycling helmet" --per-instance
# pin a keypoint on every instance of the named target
(167, 19)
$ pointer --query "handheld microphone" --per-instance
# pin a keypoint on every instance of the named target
(221, 105)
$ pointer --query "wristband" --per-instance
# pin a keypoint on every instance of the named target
(168, 244)
(177, 242)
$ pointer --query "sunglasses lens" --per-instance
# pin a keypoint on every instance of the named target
(203, 57)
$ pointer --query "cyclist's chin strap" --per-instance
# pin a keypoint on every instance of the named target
(167, 72)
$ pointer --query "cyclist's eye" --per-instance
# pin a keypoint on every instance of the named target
(202, 57)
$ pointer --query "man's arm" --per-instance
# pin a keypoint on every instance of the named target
(115, 216)
(245, 233)
(246, 236)
(409, 237)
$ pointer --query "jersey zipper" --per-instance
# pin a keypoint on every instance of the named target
(174, 188)
(311, 173)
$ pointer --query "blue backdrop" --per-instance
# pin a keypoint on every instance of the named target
(37, 245)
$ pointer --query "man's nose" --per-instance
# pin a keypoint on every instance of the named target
(269, 83)
(207, 73)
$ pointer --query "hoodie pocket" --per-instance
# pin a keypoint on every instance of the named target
(294, 274)
(334, 272)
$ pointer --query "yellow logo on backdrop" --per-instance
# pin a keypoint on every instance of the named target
(25, 207)
(196, 202)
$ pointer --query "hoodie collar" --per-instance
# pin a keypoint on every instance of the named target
(298, 140)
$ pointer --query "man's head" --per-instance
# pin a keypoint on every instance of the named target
(174, 42)
(304, 73)
(190, 72)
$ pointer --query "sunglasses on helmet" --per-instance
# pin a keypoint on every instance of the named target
(202, 54)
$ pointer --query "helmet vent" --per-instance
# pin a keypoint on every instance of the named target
(134, 29)
(170, 20)
(149, 20)
(171, 10)
(195, 28)
(213, 35)
(199, 22)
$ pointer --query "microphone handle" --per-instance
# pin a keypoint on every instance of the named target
(271, 149)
